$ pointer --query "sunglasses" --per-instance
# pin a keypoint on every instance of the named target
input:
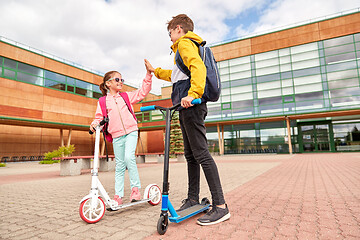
(117, 79)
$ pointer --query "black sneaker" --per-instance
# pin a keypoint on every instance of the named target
(214, 216)
(186, 203)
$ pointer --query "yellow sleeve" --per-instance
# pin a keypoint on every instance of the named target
(163, 74)
(189, 53)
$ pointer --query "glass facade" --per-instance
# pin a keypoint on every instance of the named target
(30, 74)
(314, 77)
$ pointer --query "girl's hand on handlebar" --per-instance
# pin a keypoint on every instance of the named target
(92, 127)
(186, 102)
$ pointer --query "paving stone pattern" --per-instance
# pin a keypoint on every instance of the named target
(301, 196)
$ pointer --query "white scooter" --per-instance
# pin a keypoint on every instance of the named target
(92, 206)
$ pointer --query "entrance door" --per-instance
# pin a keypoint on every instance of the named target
(315, 137)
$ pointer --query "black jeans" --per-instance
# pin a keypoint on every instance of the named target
(197, 153)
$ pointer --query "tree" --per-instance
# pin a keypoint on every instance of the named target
(176, 139)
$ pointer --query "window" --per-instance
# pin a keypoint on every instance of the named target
(340, 49)
(352, 82)
(30, 69)
(225, 106)
(340, 57)
(54, 76)
(269, 101)
(9, 73)
(307, 80)
(268, 85)
(8, 63)
(237, 61)
(305, 56)
(304, 48)
(308, 96)
(338, 41)
(70, 84)
(54, 84)
(83, 88)
(341, 66)
(30, 74)
(268, 78)
(345, 92)
(29, 78)
(289, 98)
(266, 55)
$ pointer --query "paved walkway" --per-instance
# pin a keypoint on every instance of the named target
(303, 196)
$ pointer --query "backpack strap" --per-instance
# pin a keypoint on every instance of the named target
(102, 102)
(125, 96)
(107, 136)
(180, 63)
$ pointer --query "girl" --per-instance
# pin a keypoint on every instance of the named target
(123, 129)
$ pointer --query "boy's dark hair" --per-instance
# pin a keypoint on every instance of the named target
(183, 20)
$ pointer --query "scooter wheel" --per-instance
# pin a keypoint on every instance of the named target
(162, 225)
(205, 201)
(153, 193)
(90, 215)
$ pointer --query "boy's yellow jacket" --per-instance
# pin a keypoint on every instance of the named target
(189, 53)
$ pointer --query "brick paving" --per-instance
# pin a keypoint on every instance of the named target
(311, 196)
(302, 196)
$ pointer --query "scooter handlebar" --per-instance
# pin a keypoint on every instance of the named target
(153, 107)
(147, 108)
(196, 101)
(105, 120)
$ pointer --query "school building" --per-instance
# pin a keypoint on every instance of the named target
(45, 102)
(293, 90)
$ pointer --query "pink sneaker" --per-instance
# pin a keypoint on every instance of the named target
(118, 199)
(135, 195)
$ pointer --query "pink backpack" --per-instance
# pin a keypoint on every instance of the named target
(102, 102)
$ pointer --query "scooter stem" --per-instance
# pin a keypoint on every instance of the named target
(166, 152)
(96, 154)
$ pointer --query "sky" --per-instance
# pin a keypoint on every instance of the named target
(107, 35)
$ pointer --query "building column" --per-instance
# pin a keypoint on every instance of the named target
(221, 139)
(61, 137)
(289, 134)
(69, 138)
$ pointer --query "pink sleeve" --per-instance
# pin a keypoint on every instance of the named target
(98, 115)
(140, 94)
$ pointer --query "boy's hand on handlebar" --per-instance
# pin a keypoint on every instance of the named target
(186, 102)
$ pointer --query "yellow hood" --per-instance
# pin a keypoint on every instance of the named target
(190, 35)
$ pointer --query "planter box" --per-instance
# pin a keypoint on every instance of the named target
(107, 166)
(70, 167)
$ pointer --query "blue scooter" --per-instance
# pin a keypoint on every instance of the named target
(166, 205)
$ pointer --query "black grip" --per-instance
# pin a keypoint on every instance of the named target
(105, 120)
(91, 132)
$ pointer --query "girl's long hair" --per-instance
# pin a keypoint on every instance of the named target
(102, 85)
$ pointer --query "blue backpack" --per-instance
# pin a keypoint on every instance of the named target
(213, 83)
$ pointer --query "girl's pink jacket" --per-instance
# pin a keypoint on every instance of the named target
(121, 121)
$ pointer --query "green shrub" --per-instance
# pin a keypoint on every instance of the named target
(2, 164)
(61, 151)
(46, 162)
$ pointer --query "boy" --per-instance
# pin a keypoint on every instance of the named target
(192, 118)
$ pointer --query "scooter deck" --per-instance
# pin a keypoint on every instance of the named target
(189, 212)
(127, 205)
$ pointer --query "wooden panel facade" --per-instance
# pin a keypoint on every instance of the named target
(331, 28)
